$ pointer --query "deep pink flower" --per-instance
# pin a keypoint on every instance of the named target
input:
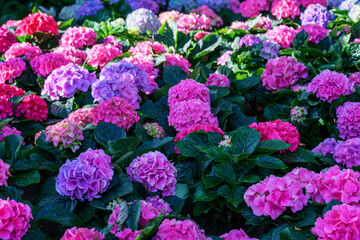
(78, 37)
(316, 32)
(7, 130)
(6, 39)
(71, 54)
(193, 21)
(32, 107)
(177, 60)
(264, 22)
(44, 64)
(223, 59)
(306, 3)
(6, 107)
(217, 79)
(101, 54)
(151, 208)
(114, 41)
(354, 78)
(11, 23)
(302, 176)
(37, 22)
(11, 69)
(4, 173)
(9, 91)
(82, 234)
(176, 229)
(236, 235)
(282, 34)
(205, 10)
(127, 234)
(82, 116)
(25, 48)
(285, 8)
(252, 8)
(200, 35)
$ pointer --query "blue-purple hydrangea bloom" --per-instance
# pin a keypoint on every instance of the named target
(181, 5)
(90, 8)
(269, 50)
(249, 40)
(316, 14)
(215, 4)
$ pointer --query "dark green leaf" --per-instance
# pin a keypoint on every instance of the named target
(270, 162)
(121, 189)
(56, 213)
(173, 74)
(25, 179)
(13, 144)
(330, 205)
(301, 39)
(134, 215)
(154, 145)
(233, 196)
(107, 132)
(224, 171)
(202, 194)
(301, 155)
(276, 111)
(124, 145)
(245, 140)
(271, 146)
(202, 207)
(11, 193)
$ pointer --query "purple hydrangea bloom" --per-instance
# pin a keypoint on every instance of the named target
(143, 20)
(86, 177)
(90, 8)
(215, 4)
(347, 4)
(316, 14)
(348, 153)
(327, 146)
(348, 120)
(151, 5)
(249, 40)
(67, 80)
(269, 50)
(182, 5)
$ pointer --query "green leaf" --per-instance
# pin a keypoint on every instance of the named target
(245, 140)
(167, 33)
(251, 179)
(275, 111)
(206, 195)
(66, 24)
(308, 220)
(11, 193)
(124, 145)
(156, 144)
(224, 171)
(107, 132)
(134, 215)
(301, 39)
(270, 162)
(247, 83)
(39, 160)
(35, 233)
(330, 205)
(202, 207)
(16, 100)
(5, 121)
(26, 179)
(173, 74)
(208, 45)
(234, 196)
(355, 30)
(13, 144)
(47, 146)
(301, 155)
(56, 213)
(252, 219)
(271, 146)
(181, 191)
(189, 146)
(62, 109)
(122, 188)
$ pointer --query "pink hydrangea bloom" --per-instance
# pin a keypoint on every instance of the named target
(282, 34)
(217, 79)
(223, 59)
(348, 120)
(114, 41)
(236, 234)
(273, 195)
(252, 8)
(341, 222)
(15, 219)
(6, 39)
(151, 208)
(177, 60)
(316, 32)
(354, 78)
(7, 130)
(37, 22)
(189, 113)
(82, 116)
(127, 234)
(327, 146)
(193, 21)
(6, 107)
(169, 15)
(25, 48)
(176, 229)
(11, 69)
(282, 72)
(278, 129)
(4, 172)
(155, 171)
(205, 10)
(146, 50)
(186, 90)
(302, 176)
(44, 64)
(239, 25)
(65, 134)
(200, 35)
(82, 233)
(356, 40)
(285, 8)
(9, 91)
(330, 85)
(264, 22)
(71, 54)
(78, 37)
(116, 111)
(348, 153)
(306, 3)
(11, 23)
(154, 130)
(32, 107)
(101, 54)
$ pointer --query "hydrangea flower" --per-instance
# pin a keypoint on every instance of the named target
(151, 5)
(347, 4)
(269, 50)
(25, 48)
(175, 59)
(249, 40)
(193, 21)
(101, 54)
(298, 114)
(217, 79)
(118, 215)
(15, 219)
(11, 69)
(285, 8)
(226, 142)
(327, 146)
(316, 14)
(71, 54)
(86, 177)
(273, 195)
(154, 130)
(182, 5)
(252, 8)
(6, 107)
(7, 130)
(306, 3)
(191, 112)
(354, 13)
(37, 22)
(82, 233)
(127, 234)
(348, 120)
(205, 10)
(302, 176)
(335, 3)
(282, 34)
(4, 172)
(186, 90)
(278, 130)
(155, 171)
(114, 41)
(82, 117)
(65, 134)
(6, 40)
(316, 32)
(78, 37)
(70, 12)
(32, 107)
(330, 85)
(239, 25)
(177, 229)
(282, 72)
(224, 58)
(116, 111)
(67, 80)
(264, 23)
(11, 23)
(236, 234)
(90, 8)
(151, 208)
(143, 20)
(145, 50)
(200, 35)
(214, 4)
(169, 16)
(44, 64)
(348, 153)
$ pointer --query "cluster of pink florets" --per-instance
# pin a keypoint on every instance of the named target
(264, 23)
(177, 60)
(146, 49)
(32, 107)
(37, 22)
(236, 234)
(169, 16)
(316, 32)
(285, 8)
(355, 78)
(282, 72)
(44, 64)
(239, 25)
(4, 172)
(252, 8)
(224, 58)
(348, 120)
(218, 80)
(193, 21)
(101, 54)
(200, 35)
(20, 49)
(127, 234)
(82, 233)
(9, 91)
(11, 69)
(282, 34)
(71, 54)
(278, 129)
(205, 10)
(306, 3)
(6, 107)
(78, 37)
(6, 39)
(7, 130)
(176, 229)
(82, 116)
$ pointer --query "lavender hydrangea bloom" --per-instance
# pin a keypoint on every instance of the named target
(348, 153)
(151, 5)
(181, 5)
(215, 4)
(316, 14)
(70, 12)
(249, 40)
(86, 177)
(327, 146)
(67, 80)
(269, 50)
(90, 8)
(144, 20)
(334, 3)
(347, 4)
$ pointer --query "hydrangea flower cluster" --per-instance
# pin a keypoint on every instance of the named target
(264, 23)
(11, 23)
(20, 49)
(330, 85)
(239, 25)
(155, 171)
(7, 130)
(226, 142)
(282, 72)
(278, 130)
(44, 64)
(236, 234)
(273, 195)
(249, 40)
(348, 120)
(71, 54)
(78, 37)
(11, 69)
(6, 40)
(226, 57)
(347, 4)
(193, 21)
(218, 80)
(32, 107)
(127, 234)
(316, 32)
(216, 5)
(354, 13)
(205, 10)
(15, 219)
(154, 130)
(298, 114)
(151, 208)
(101, 54)
(4, 172)
(37, 22)
(282, 34)
(146, 50)
(306, 3)
(152, 5)
(82, 117)
(200, 35)
(176, 229)
(90, 8)
(175, 59)
(181, 5)
(285, 8)
(65, 134)
(114, 41)
(116, 111)
(252, 8)
(316, 14)
(6, 107)
(169, 16)
(348, 153)
(86, 177)
(82, 233)
(143, 20)
(67, 80)
(269, 50)
(327, 146)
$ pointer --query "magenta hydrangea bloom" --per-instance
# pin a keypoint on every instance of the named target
(223, 59)
(306, 3)
(348, 120)
(114, 41)
(186, 90)
(302, 176)
(20, 49)
(327, 146)
(145, 50)
(330, 85)
(101, 54)
(71, 54)
(15, 219)
(189, 113)
(285, 8)
(193, 21)
(282, 34)
(200, 35)
(273, 195)
(82, 233)
(6, 39)
(155, 171)
(44, 64)
(236, 234)
(239, 25)
(32, 107)
(65, 134)
(341, 222)
(176, 229)
(11, 69)
(316, 32)
(37, 22)
(116, 111)
(252, 8)
(7, 130)
(9, 91)
(4, 172)
(218, 80)
(6, 107)
(86, 177)
(205, 10)
(67, 80)
(282, 72)
(127, 234)
(82, 116)
(355, 78)
(249, 40)
(154, 130)
(278, 129)
(151, 208)
(177, 60)
(264, 23)
(348, 153)
(78, 37)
